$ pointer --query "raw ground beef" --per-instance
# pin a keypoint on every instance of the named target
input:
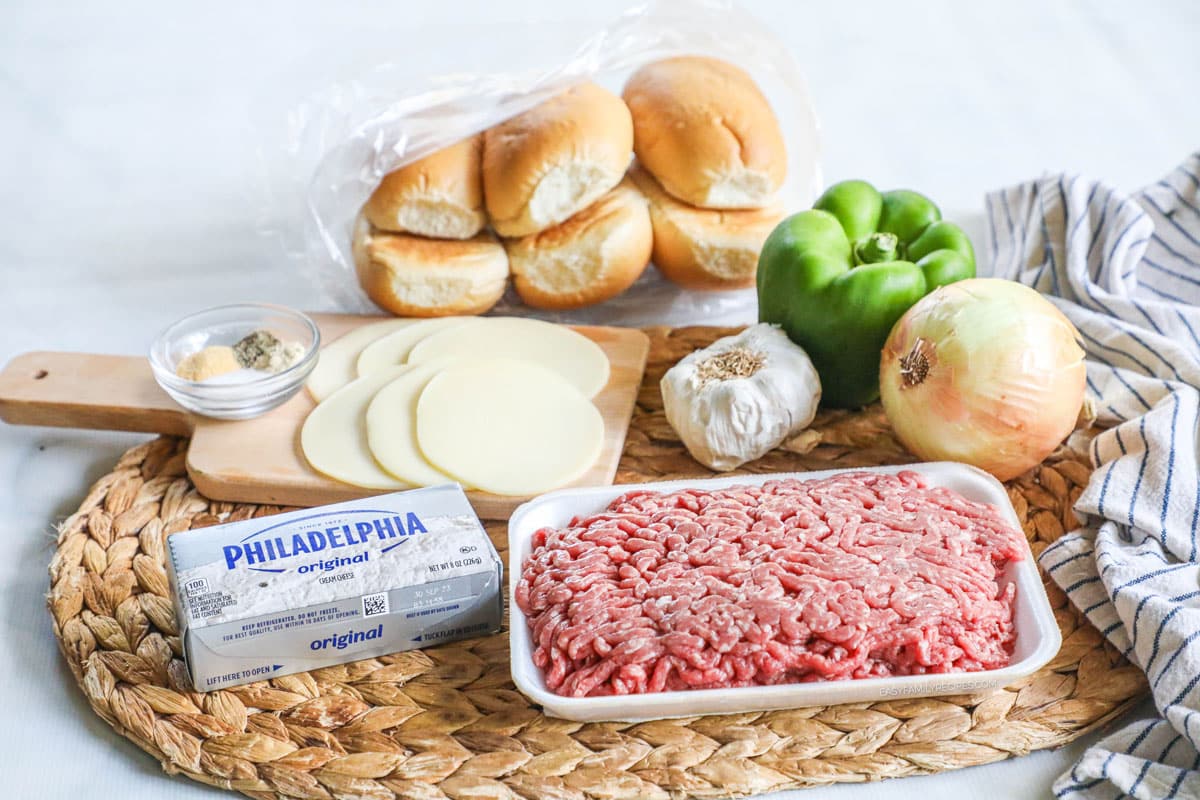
(854, 576)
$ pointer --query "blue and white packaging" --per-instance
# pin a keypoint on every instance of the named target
(292, 592)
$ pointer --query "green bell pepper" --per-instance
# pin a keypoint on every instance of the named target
(839, 276)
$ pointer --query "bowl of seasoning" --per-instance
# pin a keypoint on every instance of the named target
(236, 361)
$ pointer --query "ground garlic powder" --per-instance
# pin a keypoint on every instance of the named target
(208, 363)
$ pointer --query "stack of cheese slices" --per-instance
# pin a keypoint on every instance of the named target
(498, 404)
(569, 219)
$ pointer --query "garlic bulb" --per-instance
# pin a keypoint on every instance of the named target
(741, 397)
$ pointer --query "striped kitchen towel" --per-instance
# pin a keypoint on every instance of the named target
(1126, 269)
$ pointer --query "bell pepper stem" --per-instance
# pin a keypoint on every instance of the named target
(877, 248)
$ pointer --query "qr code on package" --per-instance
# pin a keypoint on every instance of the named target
(375, 604)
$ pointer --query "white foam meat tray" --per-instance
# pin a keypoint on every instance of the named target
(1038, 638)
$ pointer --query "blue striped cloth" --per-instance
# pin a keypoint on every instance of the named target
(1126, 269)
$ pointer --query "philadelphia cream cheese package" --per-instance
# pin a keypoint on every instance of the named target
(292, 592)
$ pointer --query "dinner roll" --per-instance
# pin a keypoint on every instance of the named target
(542, 166)
(703, 248)
(440, 195)
(417, 277)
(705, 131)
(592, 257)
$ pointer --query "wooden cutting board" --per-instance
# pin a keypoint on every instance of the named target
(259, 460)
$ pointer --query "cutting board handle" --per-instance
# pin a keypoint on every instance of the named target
(81, 390)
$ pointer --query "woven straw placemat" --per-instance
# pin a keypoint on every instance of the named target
(447, 722)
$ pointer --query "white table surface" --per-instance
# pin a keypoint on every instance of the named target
(129, 145)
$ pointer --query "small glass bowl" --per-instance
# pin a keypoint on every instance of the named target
(227, 325)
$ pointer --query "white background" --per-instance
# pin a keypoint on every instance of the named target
(130, 141)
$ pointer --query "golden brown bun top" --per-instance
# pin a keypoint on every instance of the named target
(401, 247)
(415, 276)
(592, 257)
(704, 129)
(705, 248)
(596, 219)
(699, 222)
(453, 169)
(439, 195)
(585, 134)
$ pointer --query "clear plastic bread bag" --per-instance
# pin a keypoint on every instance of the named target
(346, 138)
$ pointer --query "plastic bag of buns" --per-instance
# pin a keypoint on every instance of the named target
(631, 184)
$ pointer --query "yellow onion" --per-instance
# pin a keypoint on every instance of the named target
(986, 372)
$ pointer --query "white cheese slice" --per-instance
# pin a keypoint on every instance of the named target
(555, 347)
(508, 426)
(334, 436)
(335, 362)
(392, 427)
(393, 349)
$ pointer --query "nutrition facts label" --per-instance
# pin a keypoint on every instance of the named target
(209, 604)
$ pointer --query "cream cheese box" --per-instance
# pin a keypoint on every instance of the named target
(275, 595)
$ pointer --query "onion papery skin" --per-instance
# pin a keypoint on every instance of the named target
(996, 379)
